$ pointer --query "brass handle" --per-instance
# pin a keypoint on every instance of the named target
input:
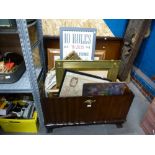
(89, 102)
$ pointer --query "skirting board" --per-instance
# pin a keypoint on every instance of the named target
(144, 83)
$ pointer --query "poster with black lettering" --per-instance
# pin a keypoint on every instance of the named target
(80, 40)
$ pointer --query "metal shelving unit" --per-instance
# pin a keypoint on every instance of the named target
(21, 86)
(28, 83)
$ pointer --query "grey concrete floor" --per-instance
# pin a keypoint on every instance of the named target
(130, 127)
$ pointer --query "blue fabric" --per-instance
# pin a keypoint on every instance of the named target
(117, 26)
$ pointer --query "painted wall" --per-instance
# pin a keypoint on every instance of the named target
(117, 26)
(145, 60)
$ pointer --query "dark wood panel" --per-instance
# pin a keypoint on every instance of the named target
(60, 110)
(112, 46)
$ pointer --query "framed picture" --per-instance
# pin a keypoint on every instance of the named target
(80, 40)
(111, 88)
(111, 66)
(72, 83)
(53, 55)
(100, 55)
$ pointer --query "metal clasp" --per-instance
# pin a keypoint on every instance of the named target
(89, 102)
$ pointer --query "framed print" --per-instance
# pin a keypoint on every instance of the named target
(111, 66)
(111, 88)
(80, 40)
(72, 83)
(53, 55)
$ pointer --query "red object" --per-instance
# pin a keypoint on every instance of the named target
(148, 122)
(9, 65)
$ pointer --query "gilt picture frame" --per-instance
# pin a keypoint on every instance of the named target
(111, 66)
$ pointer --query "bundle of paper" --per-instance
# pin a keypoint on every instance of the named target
(50, 81)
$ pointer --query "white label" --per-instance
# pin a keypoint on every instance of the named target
(7, 77)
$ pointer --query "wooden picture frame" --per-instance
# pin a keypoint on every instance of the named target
(53, 54)
(112, 66)
(100, 55)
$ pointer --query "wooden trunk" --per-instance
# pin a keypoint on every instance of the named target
(60, 111)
